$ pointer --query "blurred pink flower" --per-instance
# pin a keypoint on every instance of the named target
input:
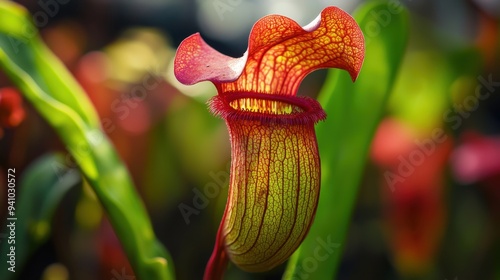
(414, 208)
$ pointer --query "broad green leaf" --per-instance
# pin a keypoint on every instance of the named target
(61, 101)
(354, 110)
(42, 186)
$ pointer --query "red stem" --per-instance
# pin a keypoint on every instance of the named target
(218, 261)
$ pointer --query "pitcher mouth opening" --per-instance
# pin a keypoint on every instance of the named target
(274, 108)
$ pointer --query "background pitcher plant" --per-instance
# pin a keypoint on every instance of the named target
(275, 166)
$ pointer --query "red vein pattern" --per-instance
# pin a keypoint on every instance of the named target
(275, 166)
(280, 54)
(274, 190)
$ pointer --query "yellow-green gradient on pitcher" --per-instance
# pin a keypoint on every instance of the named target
(275, 165)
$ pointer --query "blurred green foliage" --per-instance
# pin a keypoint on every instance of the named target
(44, 184)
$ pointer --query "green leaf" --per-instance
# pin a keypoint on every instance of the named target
(42, 186)
(354, 110)
(23, 44)
(56, 95)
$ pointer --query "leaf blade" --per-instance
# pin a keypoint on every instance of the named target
(57, 96)
(353, 113)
